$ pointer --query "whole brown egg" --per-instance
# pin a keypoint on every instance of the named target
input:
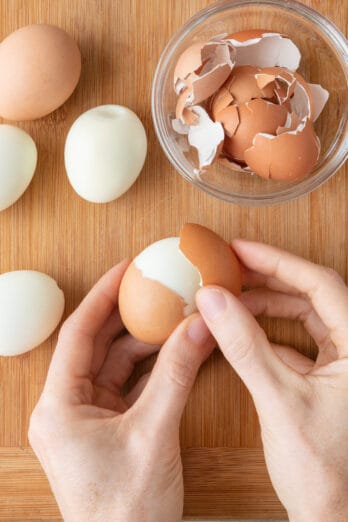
(40, 66)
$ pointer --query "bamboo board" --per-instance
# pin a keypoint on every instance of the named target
(52, 230)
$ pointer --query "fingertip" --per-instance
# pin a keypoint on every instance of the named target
(212, 302)
(197, 330)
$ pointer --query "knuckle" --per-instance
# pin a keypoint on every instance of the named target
(181, 373)
(240, 349)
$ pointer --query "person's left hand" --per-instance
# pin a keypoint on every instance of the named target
(110, 457)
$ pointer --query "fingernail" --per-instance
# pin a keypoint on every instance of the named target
(197, 331)
(211, 303)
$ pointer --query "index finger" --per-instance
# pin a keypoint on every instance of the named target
(323, 286)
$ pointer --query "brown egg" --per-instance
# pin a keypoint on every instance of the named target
(254, 117)
(158, 289)
(40, 67)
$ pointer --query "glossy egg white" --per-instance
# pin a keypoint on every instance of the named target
(105, 151)
(18, 158)
(182, 277)
(31, 306)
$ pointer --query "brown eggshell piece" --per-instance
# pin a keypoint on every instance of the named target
(244, 36)
(220, 101)
(40, 67)
(291, 124)
(213, 257)
(229, 118)
(282, 80)
(287, 157)
(254, 117)
(243, 86)
(302, 101)
(189, 61)
(149, 310)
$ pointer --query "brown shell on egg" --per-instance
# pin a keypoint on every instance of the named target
(213, 257)
(147, 319)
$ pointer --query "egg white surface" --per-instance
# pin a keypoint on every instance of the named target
(31, 306)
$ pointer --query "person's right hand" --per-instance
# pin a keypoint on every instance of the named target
(302, 405)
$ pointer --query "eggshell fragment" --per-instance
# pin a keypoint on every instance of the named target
(31, 306)
(301, 149)
(212, 256)
(105, 151)
(229, 118)
(220, 101)
(254, 117)
(18, 157)
(282, 80)
(292, 122)
(319, 95)
(40, 67)
(189, 61)
(198, 85)
(243, 86)
(206, 136)
(302, 102)
(264, 49)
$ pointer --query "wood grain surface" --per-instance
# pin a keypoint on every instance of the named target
(52, 230)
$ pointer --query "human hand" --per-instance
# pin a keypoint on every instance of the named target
(110, 457)
(302, 405)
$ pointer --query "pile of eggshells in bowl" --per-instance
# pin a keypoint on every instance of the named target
(105, 151)
(240, 100)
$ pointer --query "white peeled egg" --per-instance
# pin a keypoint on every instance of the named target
(18, 157)
(31, 306)
(105, 151)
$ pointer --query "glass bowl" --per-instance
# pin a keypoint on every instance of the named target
(324, 60)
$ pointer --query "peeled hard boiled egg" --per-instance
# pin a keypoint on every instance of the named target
(105, 151)
(31, 306)
(40, 67)
(18, 157)
(159, 287)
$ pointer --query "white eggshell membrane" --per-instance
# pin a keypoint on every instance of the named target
(18, 158)
(272, 49)
(164, 262)
(31, 306)
(105, 151)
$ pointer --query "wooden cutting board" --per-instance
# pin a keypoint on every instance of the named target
(52, 230)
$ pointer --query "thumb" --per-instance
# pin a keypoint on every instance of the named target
(165, 395)
(243, 343)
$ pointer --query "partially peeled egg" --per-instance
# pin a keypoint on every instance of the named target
(159, 287)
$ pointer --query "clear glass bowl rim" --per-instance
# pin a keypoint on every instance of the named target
(325, 172)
